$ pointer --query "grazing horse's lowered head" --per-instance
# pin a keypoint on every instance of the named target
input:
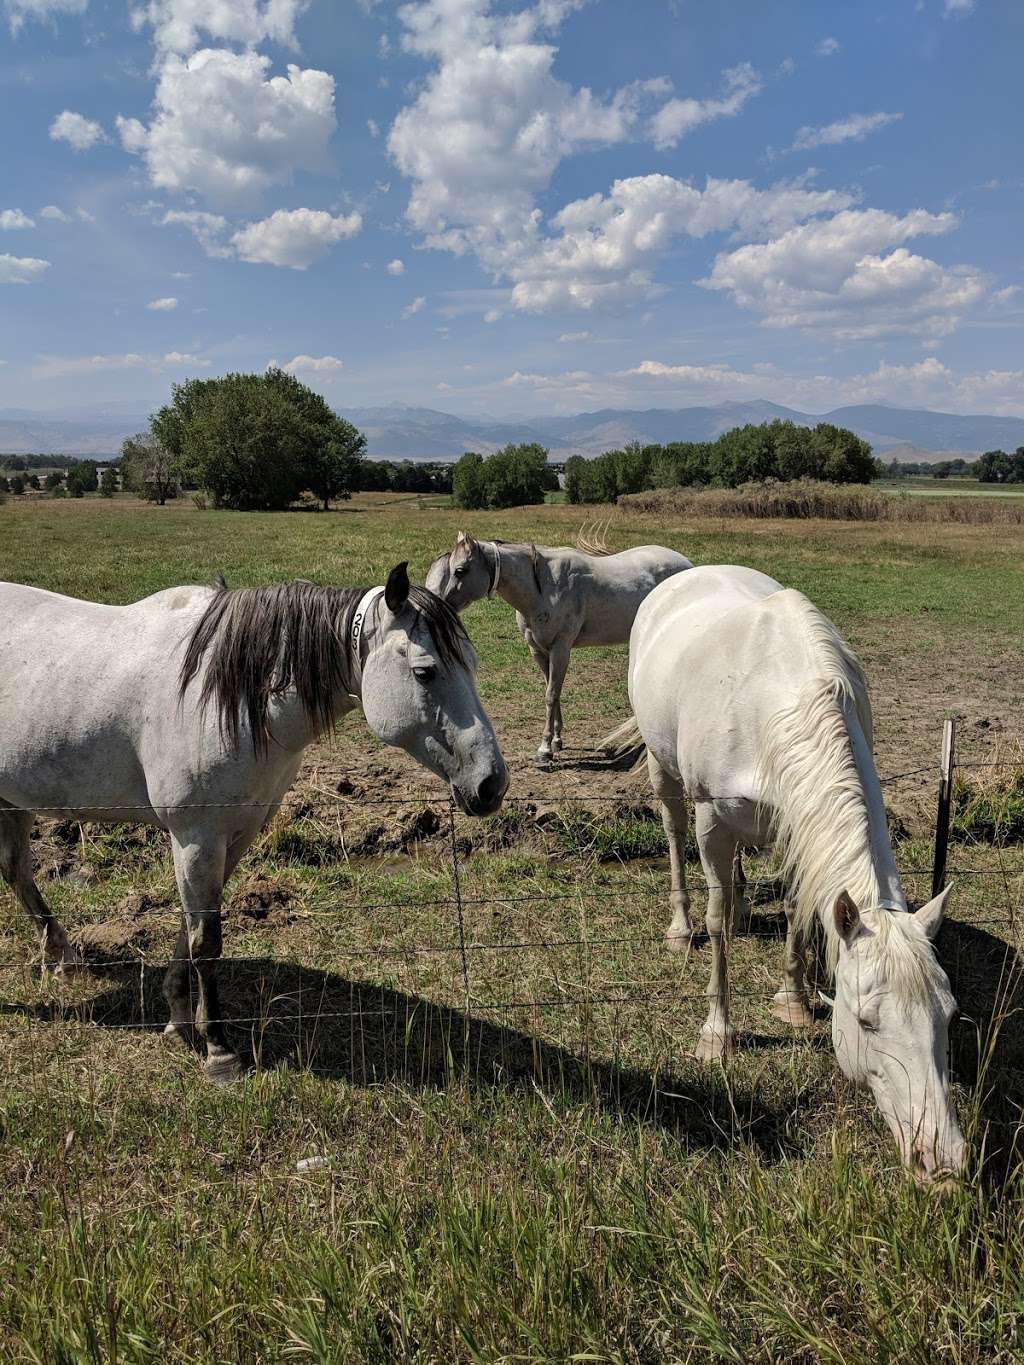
(890, 1028)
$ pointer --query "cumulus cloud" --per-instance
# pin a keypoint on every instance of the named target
(958, 9)
(79, 132)
(19, 11)
(317, 364)
(852, 276)
(294, 237)
(417, 306)
(21, 269)
(207, 228)
(853, 128)
(680, 116)
(607, 245)
(162, 305)
(13, 219)
(396, 267)
(225, 128)
(177, 24)
(828, 47)
(57, 215)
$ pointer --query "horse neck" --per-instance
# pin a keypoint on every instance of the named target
(294, 729)
(829, 813)
(517, 579)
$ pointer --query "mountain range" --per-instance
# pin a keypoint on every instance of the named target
(397, 431)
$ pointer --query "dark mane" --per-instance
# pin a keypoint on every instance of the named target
(259, 642)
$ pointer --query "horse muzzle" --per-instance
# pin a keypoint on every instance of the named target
(487, 797)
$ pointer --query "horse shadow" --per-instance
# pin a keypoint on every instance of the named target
(986, 1041)
(285, 1015)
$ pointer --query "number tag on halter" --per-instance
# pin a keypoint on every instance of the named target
(359, 618)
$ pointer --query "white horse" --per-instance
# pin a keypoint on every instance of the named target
(750, 702)
(564, 598)
(191, 710)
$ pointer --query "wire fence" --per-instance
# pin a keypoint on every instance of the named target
(580, 945)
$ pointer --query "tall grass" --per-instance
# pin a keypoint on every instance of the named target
(828, 502)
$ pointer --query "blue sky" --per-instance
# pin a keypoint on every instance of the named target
(514, 208)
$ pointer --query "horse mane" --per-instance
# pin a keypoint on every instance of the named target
(591, 540)
(819, 816)
(259, 642)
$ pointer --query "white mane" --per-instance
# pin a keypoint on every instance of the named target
(819, 814)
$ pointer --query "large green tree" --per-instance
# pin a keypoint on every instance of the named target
(514, 476)
(256, 441)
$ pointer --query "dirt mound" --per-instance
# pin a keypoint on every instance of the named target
(262, 898)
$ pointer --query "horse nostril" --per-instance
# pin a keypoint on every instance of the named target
(490, 790)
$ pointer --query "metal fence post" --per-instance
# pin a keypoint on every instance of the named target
(945, 801)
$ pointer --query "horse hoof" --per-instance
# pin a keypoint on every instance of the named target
(73, 960)
(712, 1046)
(678, 942)
(792, 1012)
(544, 757)
(223, 1069)
(556, 745)
(180, 1033)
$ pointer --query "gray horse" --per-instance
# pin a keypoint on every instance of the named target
(191, 710)
(564, 598)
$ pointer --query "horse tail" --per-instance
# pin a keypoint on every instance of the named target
(625, 746)
(591, 540)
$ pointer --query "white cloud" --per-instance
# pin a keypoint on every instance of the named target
(609, 244)
(181, 275)
(13, 219)
(853, 128)
(373, 127)
(319, 364)
(493, 315)
(415, 307)
(852, 276)
(828, 47)
(395, 267)
(57, 367)
(294, 237)
(576, 336)
(53, 212)
(162, 305)
(79, 132)
(680, 116)
(84, 216)
(224, 127)
(177, 24)
(491, 123)
(21, 269)
(18, 11)
(207, 228)
(958, 9)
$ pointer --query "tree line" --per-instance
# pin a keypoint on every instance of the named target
(775, 450)
(996, 466)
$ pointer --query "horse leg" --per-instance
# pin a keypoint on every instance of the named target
(558, 663)
(790, 1003)
(673, 816)
(717, 849)
(740, 908)
(16, 870)
(200, 869)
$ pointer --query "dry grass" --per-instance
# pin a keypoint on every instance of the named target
(806, 498)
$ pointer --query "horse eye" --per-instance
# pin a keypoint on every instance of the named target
(868, 1025)
(426, 674)
(461, 571)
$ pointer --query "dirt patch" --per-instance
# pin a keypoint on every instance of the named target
(262, 898)
(113, 940)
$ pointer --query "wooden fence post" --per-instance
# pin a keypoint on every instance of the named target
(945, 801)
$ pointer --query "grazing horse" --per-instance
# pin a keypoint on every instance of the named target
(191, 710)
(750, 702)
(564, 598)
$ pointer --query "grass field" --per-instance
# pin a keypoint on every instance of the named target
(519, 1162)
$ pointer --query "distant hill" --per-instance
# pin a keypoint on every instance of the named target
(400, 432)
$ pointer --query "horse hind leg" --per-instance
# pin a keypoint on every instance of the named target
(672, 797)
(717, 849)
(790, 1002)
(16, 870)
(558, 664)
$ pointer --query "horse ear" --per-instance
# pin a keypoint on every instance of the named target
(847, 917)
(930, 916)
(396, 590)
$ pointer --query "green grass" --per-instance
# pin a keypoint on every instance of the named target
(546, 1175)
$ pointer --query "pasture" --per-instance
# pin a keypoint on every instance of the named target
(518, 1160)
